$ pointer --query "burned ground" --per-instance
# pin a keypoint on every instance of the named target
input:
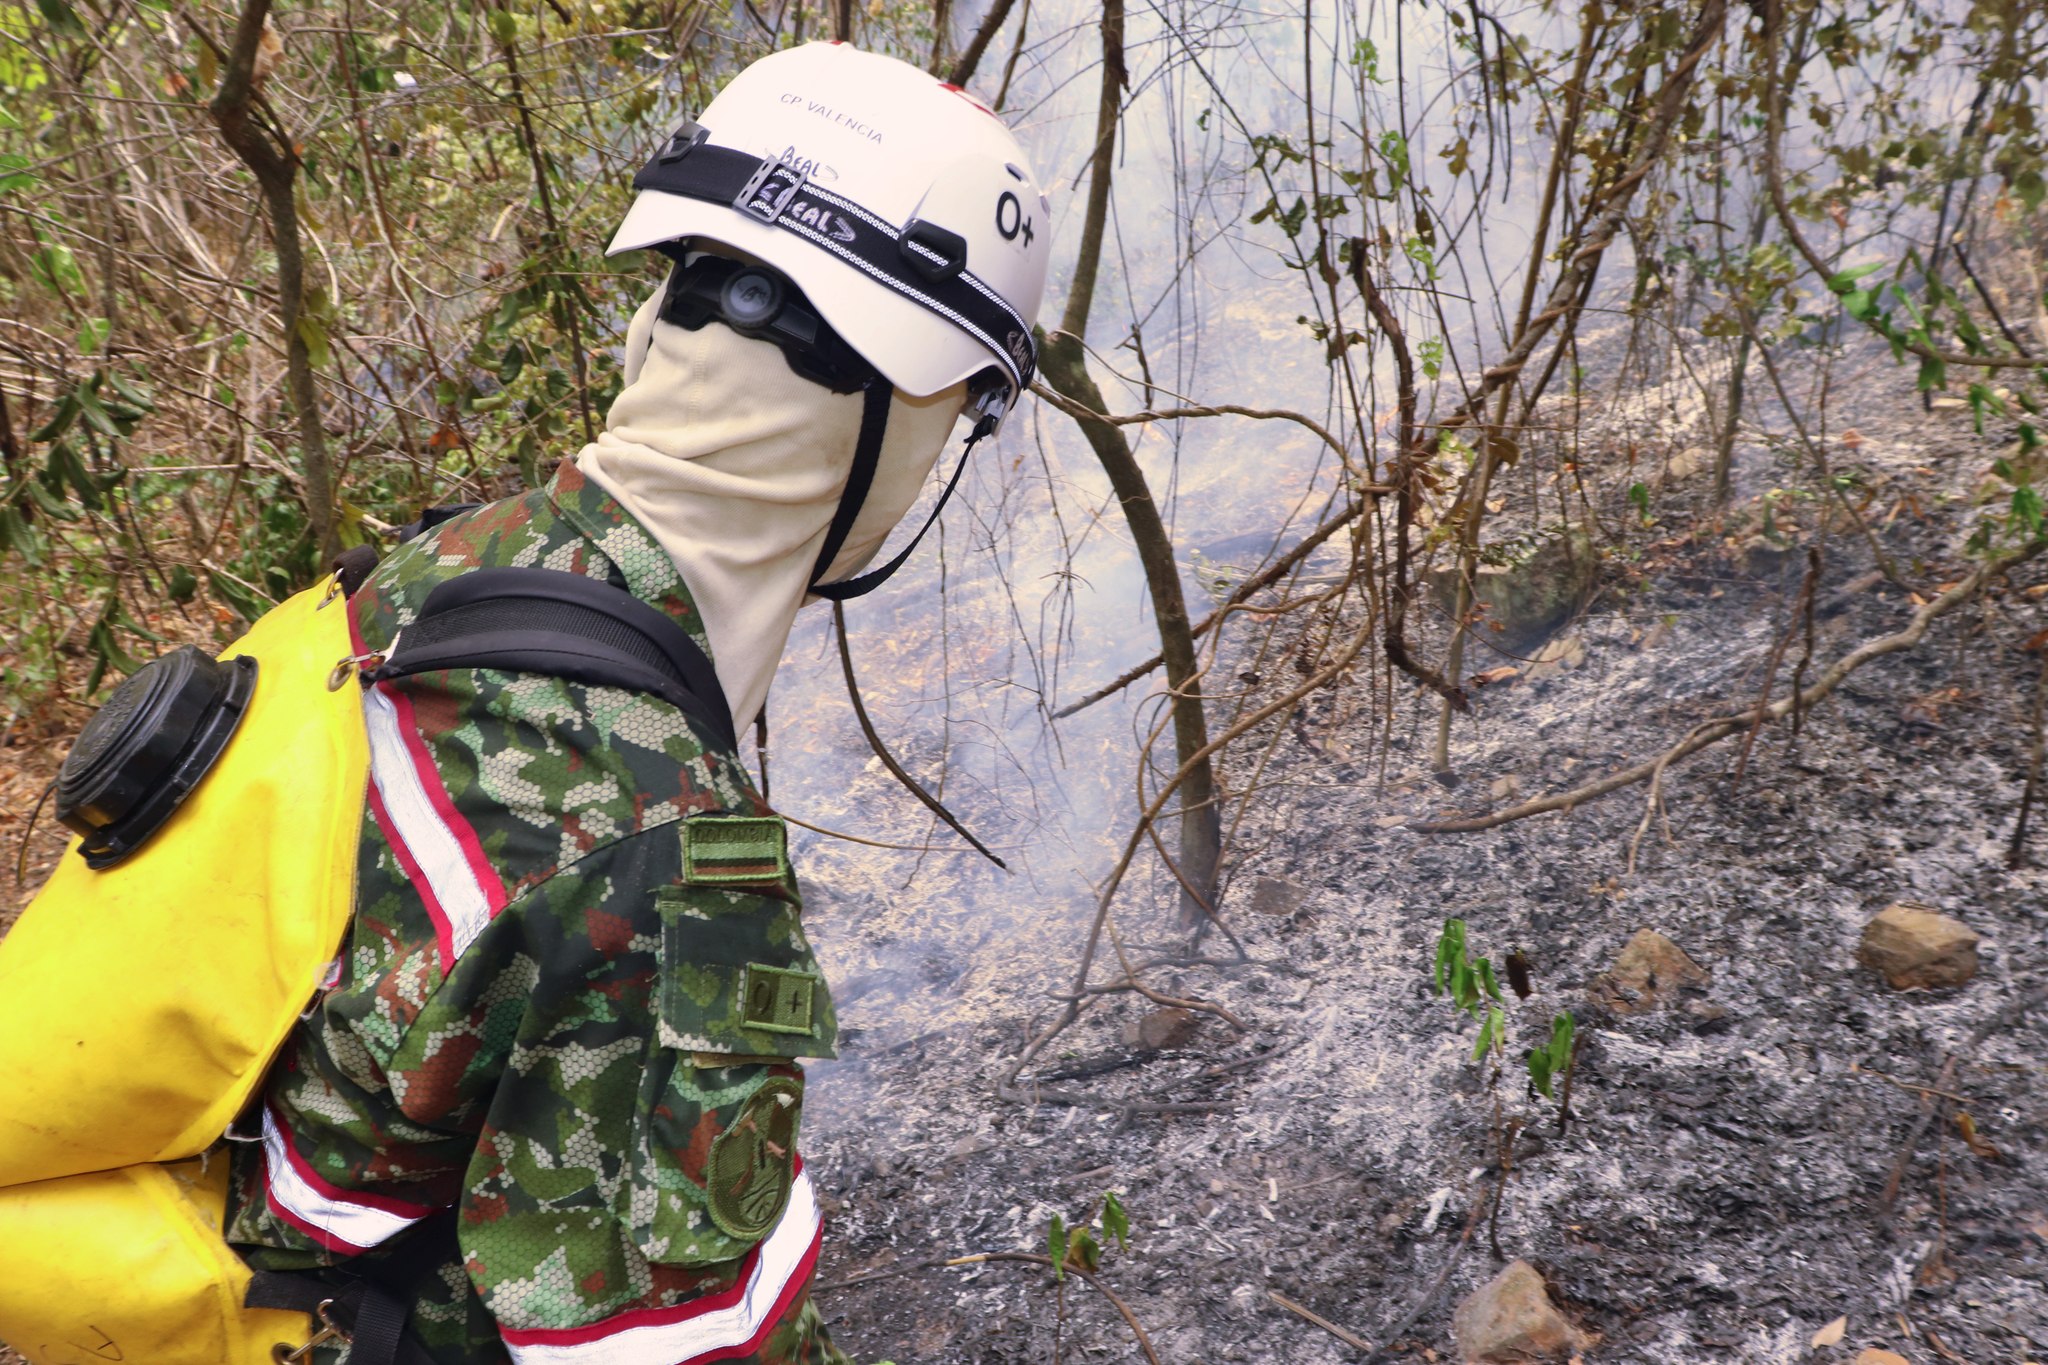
(1723, 1189)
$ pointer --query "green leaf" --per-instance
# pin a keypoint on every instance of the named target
(2026, 509)
(1115, 1221)
(246, 601)
(2029, 187)
(1491, 1031)
(1485, 969)
(93, 335)
(62, 19)
(57, 268)
(183, 584)
(1365, 55)
(1430, 352)
(60, 420)
(503, 27)
(14, 172)
(132, 391)
(1450, 953)
(1933, 373)
(95, 414)
(49, 503)
(1056, 1247)
(17, 534)
(1843, 281)
(315, 336)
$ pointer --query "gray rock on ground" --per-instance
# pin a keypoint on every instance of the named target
(1277, 896)
(1915, 948)
(1510, 1318)
(1167, 1027)
(1524, 601)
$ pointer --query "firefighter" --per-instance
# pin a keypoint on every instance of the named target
(558, 1079)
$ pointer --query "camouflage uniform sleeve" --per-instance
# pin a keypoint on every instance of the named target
(608, 1085)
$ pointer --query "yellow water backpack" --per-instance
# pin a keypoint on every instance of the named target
(149, 984)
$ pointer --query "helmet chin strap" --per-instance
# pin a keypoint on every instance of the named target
(867, 457)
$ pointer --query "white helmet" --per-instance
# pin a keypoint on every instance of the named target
(900, 205)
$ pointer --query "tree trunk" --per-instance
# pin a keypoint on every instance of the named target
(275, 168)
(1064, 361)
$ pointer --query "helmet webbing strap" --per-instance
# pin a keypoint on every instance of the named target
(867, 457)
(919, 261)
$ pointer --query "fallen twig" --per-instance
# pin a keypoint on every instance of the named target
(2014, 1012)
(1094, 1281)
(1713, 731)
(1413, 1315)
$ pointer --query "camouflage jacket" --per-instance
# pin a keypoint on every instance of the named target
(571, 1007)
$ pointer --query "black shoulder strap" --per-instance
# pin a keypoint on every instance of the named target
(371, 1298)
(563, 625)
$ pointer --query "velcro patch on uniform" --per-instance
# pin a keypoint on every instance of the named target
(776, 1000)
(735, 850)
(752, 1164)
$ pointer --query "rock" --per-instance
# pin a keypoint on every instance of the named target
(1685, 464)
(1915, 948)
(1555, 657)
(1758, 556)
(1649, 974)
(1278, 895)
(1168, 1027)
(1529, 596)
(1511, 1318)
(1872, 1356)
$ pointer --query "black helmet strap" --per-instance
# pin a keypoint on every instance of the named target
(867, 458)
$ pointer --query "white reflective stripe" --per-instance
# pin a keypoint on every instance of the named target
(433, 847)
(328, 1218)
(681, 1336)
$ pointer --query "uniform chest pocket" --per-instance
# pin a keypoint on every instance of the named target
(739, 979)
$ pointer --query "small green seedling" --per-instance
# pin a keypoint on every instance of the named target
(1079, 1246)
(1471, 986)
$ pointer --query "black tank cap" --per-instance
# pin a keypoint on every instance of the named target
(145, 750)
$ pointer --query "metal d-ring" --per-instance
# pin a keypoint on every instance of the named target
(343, 667)
(283, 1352)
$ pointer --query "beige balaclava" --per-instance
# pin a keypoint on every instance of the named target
(735, 463)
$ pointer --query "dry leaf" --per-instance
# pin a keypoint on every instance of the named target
(1830, 1334)
(1390, 821)
(1942, 1347)
(1873, 1356)
(1502, 674)
(269, 52)
(1967, 1126)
